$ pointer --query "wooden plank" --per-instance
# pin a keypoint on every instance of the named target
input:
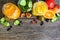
(27, 31)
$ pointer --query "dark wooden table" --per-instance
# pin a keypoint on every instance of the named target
(27, 31)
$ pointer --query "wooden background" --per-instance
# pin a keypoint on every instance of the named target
(27, 31)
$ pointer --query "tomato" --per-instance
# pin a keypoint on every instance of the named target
(50, 3)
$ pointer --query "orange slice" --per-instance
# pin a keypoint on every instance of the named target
(11, 11)
(49, 14)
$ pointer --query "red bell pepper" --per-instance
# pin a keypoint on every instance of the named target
(50, 3)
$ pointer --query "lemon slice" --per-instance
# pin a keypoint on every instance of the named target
(39, 8)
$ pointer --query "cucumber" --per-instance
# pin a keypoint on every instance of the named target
(2, 20)
(58, 15)
(16, 22)
(7, 24)
(28, 9)
(54, 19)
(30, 4)
(22, 8)
(23, 2)
(25, 5)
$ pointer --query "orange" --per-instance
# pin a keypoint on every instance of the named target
(49, 14)
(11, 11)
(39, 8)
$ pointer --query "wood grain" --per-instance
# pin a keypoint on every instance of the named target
(27, 31)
